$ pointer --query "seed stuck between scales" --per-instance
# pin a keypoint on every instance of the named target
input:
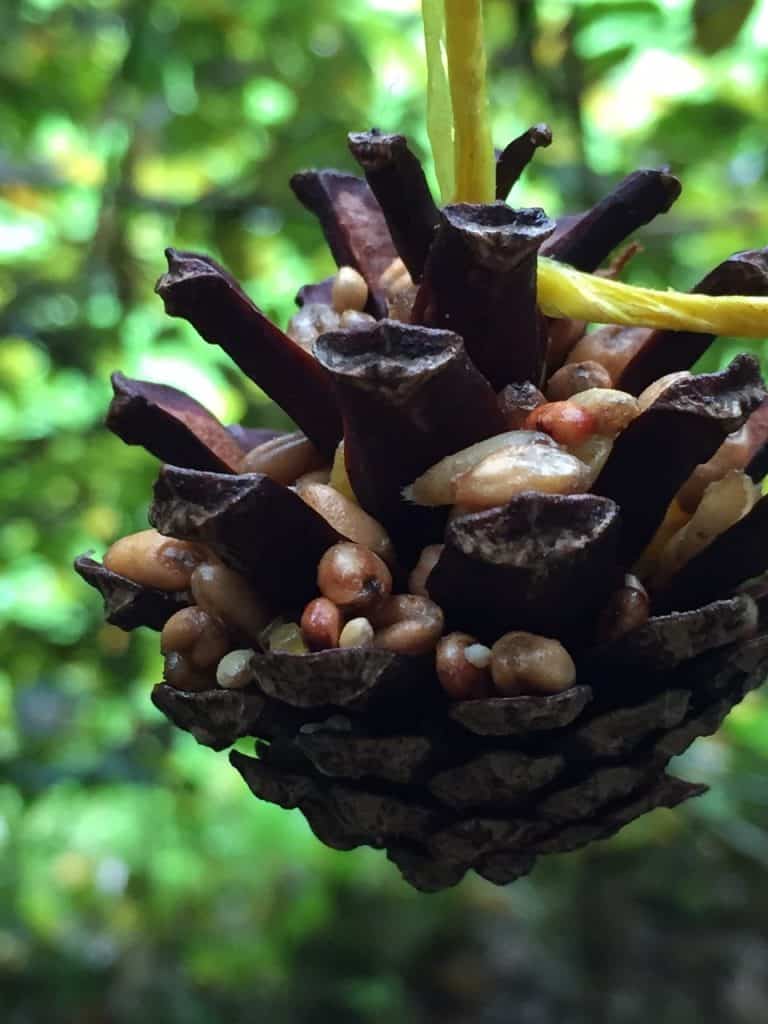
(561, 450)
(463, 667)
(357, 633)
(437, 486)
(153, 560)
(234, 670)
(511, 471)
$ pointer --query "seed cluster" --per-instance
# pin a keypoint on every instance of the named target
(556, 446)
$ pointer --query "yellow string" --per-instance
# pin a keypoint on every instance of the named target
(460, 135)
(474, 163)
(565, 292)
(439, 111)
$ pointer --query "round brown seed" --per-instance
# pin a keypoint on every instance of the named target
(353, 577)
(628, 608)
(153, 560)
(234, 671)
(181, 675)
(226, 595)
(575, 377)
(349, 290)
(283, 458)
(321, 624)
(194, 633)
(460, 679)
(566, 422)
(527, 663)
(407, 624)
(348, 519)
(417, 581)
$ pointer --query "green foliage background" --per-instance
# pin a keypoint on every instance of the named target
(138, 878)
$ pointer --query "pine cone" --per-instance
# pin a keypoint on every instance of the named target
(431, 344)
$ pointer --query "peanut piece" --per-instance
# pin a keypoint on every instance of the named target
(321, 624)
(227, 596)
(656, 390)
(575, 377)
(628, 608)
(234, 670)
(357, 633)
(417, 581)
(349, 290)
(438, 485)
(407, 624)
(194, 633)
(565, 422)
(506, 473)
(527, 663)
(283, 459)
(612, 410)
(153, 560)
(459, 677)
(348, 519)
(353, 577)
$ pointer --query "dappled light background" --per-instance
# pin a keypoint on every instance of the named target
(138, 877)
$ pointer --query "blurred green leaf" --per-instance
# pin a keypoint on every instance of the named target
(716, 24)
